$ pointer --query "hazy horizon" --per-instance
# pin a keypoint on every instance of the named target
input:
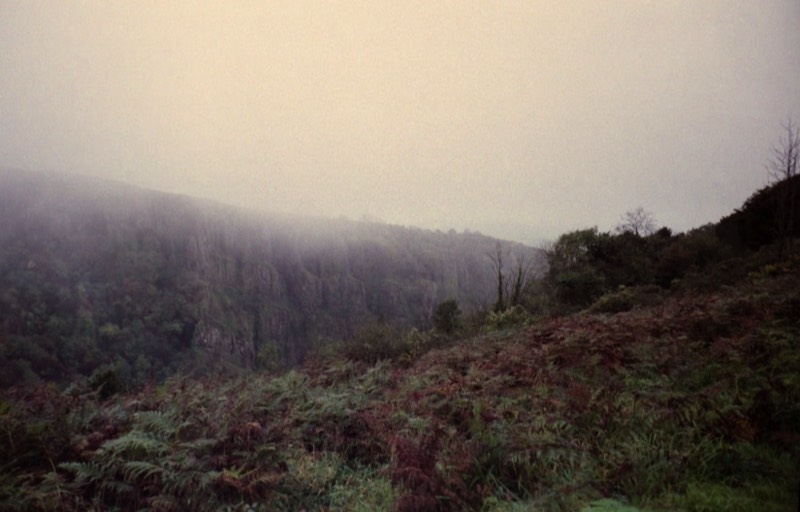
(520, 120)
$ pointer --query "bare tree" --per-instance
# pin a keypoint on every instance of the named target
(782, 167)
(520, 279)
(546, 246)
(783, 164)
(497, 258)
(640, 222)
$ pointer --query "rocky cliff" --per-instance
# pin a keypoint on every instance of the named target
(94, 273)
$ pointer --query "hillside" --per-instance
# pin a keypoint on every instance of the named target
(692, 403)
(98, 274)
(642, 372)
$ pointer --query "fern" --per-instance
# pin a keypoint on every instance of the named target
(202, 445)
(85, 472)
(162, 503)
(117, 489)
(160, 424)
(18, 492)
(134, 444)
(139, 470)
(186, 483)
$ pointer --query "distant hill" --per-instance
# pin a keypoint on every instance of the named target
(94, 272)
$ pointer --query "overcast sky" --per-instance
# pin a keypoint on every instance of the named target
(518, 119)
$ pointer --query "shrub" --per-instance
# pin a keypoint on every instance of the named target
(510, 317)
(375, 342)
(447, 318)
(106, 381)
(626, 299)
(579, 287)
(691, 252)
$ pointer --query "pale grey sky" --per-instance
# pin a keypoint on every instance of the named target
(518, 119)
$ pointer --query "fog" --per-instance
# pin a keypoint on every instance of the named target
(519, 119)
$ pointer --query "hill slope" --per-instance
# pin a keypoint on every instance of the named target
(692, 404)
(94, 272)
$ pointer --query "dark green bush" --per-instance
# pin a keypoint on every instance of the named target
(375, 342)
(447, 317)
(105, 381)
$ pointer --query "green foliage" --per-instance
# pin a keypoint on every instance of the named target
(578, 287)
(379, 341)
(695, 251)
(268, 357)
(362, 490)
(574, 278)
(754, 224)
(608, 505)
(691, 404)
(588, 268)
(571, 250)
(447, 317)
(374, 342)
(105, 381)
(626, 299)
(715, 497)
(511, 317)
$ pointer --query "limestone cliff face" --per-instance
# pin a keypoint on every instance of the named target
(220, 344)
(276, 292)
(268, 285)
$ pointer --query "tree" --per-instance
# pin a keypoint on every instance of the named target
(497, 258)
(621, 259)
(782, 167)
(640, 222)
(571, 249)
(520, 279)
(447, 317)
(573, 275)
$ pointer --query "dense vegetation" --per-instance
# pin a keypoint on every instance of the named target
(689, 404)
(613, 272)
(762, 218)
(645, 371)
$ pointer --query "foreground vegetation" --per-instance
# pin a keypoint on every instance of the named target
(690, 403)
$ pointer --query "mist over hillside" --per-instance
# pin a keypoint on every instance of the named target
(93, 272)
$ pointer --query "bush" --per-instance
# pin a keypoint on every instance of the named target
(106, 381)
(579, 287)
(615, 302)
(692, 252)
(626, 299)
(375, 342)
(447, 318)
(508, 318)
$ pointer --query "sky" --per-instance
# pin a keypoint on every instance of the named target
(522, 120)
